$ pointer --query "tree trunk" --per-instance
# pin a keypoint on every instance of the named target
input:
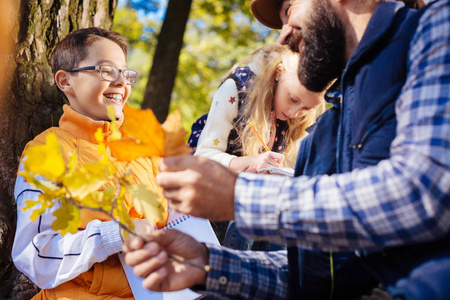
(165, 61)
(32, 104)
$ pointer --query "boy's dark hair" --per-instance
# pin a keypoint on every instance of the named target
(73, 48)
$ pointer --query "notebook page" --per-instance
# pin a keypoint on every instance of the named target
(200, 229)
(279, 171)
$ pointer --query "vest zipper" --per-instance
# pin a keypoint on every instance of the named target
(386, 115)
(340, 127)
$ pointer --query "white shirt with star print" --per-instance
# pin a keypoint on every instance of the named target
(214, 138)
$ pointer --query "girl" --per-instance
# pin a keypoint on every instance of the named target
(268, 93)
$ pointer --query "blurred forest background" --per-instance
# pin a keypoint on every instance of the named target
(180, 48)
(218, 34)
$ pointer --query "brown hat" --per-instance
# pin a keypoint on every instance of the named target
(267, 12)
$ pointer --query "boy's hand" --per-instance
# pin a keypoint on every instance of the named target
(198, 186)
(151, 262)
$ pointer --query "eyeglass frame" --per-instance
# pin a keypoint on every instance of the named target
(98, 68)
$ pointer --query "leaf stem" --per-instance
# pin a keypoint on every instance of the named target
(206, 268)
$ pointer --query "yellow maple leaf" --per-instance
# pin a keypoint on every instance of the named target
(30, 204)
(73, 162)
(146, 202)
(80, 184)
(101, 199)
(174, 135)
(44, 185)
(121, 212)
(45, 201)
(45, 160)
(144, 136)
(68, 219)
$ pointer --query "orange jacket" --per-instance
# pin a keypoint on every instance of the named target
(105, 280)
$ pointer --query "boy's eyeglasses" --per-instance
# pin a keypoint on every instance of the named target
(111, 73)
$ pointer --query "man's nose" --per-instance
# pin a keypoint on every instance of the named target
(285, 33)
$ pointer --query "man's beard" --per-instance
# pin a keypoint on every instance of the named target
(322, 48)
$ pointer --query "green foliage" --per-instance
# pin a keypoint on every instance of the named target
(126, 22)
(142, 38)
(219, 33)
(141, 61)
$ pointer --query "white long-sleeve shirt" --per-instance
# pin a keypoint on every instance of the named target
(48, 258)
(214, 138)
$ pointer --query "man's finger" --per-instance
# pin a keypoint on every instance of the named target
(181, 207)
(148, 266)
(174, 180)
(168, 236)
(154, 281)
(139, 256)
(177, 163)
(132, 243)
(171, 194)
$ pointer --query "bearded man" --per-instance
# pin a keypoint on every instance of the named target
(388, 198)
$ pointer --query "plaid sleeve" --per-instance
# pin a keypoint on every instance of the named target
(247, 274)
(404, 199)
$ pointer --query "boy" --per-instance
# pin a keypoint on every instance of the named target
(90, 72)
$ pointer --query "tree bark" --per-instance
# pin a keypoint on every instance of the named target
(31, 104)
(165, 61)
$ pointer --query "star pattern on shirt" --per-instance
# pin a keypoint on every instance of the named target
(216, 142)
(232, 100)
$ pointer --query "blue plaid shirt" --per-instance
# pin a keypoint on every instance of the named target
(402, 200)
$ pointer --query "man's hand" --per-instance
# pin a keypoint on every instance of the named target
(198, 186)
(161, 273)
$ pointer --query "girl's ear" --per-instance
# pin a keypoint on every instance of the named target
(279, 71)
(62, 80)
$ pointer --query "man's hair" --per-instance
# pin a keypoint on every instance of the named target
(73, 48)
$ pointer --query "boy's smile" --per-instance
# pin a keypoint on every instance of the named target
(114, 98)
(89, 94)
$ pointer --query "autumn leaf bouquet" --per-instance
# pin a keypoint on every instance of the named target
(62, 180)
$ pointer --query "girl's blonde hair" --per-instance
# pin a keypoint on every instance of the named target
(260, 105)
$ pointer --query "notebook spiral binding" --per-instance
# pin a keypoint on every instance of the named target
(175, 222)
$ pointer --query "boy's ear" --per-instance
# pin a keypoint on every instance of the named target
(62, 80)
(279, 71)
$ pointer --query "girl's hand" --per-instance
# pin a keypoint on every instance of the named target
(263, 160)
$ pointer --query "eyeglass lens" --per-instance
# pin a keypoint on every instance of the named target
(111, 73)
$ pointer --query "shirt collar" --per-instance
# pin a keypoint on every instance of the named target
(82, 127)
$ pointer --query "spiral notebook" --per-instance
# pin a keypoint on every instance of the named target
(279, 171)
(200, 229)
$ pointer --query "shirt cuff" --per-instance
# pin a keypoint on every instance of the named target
(225, 275)
(111, 238)
(227, 160)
